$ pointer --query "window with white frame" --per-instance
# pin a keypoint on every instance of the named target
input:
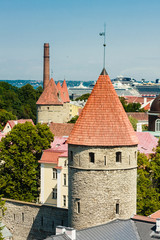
(64, 179)
(54, 193)
(157, 127)
(54, 173)
(64, 200)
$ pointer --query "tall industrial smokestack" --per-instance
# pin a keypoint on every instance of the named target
(46, 76)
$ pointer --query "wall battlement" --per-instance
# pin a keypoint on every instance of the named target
(33, 221)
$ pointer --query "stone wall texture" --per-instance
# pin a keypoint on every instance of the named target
(33, 221)
(53, 113)
(97, 188)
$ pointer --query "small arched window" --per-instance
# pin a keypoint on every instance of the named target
(157, 125)
(54, 173)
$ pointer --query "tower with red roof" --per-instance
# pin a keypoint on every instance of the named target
(102, 160)
(53, 104)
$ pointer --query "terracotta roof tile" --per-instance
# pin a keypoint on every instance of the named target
(50, 95)
(12, 123)
(155, 214)
(140, 116)
(50, 156)
(103, 121)
(60, 91)
(61, 129)
(143, 218)
(65, 91)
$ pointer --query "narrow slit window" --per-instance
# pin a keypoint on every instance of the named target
(117, 208)
(78, 207)
(91, 157)
(64, 180)
(22, 217)
(105, 160)
(71, 154)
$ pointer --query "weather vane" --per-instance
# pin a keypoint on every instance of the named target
(104, 44)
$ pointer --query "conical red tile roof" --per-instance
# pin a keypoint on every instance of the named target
(103, 121)
(50, 95)
(61, 91)
(65, 91)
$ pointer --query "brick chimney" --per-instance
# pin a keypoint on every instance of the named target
(46, 76)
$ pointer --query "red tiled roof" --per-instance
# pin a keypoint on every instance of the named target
(143, 218)
(61, 129)
(50, 95)
(140, 116)
(103, 121)
(59, 143)
(61, 91)
(65, 91)
(134, 99)
(147, 142)
(50, 156)
(12, 123)
(155, 214)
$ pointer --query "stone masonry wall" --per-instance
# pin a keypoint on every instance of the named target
(33, 221)
(53, 113)
(97, 188)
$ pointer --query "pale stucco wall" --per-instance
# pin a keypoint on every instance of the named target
(48, 183)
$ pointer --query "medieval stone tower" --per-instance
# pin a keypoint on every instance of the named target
(54, 104)
(102, 160)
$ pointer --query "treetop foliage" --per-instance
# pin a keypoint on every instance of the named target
(20, 151)
(148, 183)
(21, 102)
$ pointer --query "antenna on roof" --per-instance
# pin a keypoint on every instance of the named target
(104, 44)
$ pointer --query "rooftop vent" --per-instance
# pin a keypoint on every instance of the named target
(70, 232)
(158, 225)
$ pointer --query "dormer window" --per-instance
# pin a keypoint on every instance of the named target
(91, 157)
(118, 156)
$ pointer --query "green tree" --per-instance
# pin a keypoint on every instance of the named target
(5, 116)
(148, 193)
(20, 151)
(2, 210)
(131, 107)
(83, 97)
(74, 119)
(134, 122)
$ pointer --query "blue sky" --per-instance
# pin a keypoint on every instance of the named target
(72, 29)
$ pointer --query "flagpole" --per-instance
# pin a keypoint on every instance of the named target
(104, 46)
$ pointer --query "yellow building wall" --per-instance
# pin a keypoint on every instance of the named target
(48, 183)
(74, 110)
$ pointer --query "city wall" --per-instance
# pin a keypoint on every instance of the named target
(33, 221)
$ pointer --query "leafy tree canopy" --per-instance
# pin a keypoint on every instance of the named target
(74, 119)
(148, 183)
(5, 116)
(131, 107)
(21, 102)
(83, 97)
(20, 151)
(2, 210)
(134, 122)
